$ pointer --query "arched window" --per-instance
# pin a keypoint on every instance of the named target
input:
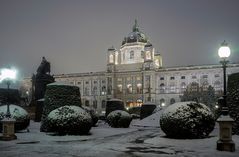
(205, 85)
(139, 88)
(95, 104)
(172, 88)
(103, 104)
(172, 101)
(193, 87)
(162, 102)
(111, 58)
(87, 103)
(131, 55)
(116, 57)
(148, 55)
(94, 92)
(129, 89)
(119, 88)
(103, 90)
(162, 88)
(217, 85)
(183, 87)
(86, 91)
(142, 54)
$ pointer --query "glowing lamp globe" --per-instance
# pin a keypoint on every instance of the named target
(224, 51)
(8, 74)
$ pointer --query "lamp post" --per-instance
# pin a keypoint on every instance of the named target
(7, 75)
(225, 142)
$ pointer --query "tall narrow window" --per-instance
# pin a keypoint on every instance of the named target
(116, 58)
(111, 58)
(131, 55)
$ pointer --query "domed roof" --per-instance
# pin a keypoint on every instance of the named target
(135, 35)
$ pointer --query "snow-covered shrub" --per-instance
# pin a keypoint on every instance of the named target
(114, 104)
(134, 110)
(147, 109)
(119, 119)
(18, 113)
(71, 120)
(58, 95)
(93, 115)
(187, 120)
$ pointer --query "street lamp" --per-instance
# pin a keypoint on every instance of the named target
(7, 75)
(225, 142)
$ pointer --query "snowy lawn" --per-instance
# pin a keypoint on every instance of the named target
(136, 141)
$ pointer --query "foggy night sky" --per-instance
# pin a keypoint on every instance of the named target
(74, 35)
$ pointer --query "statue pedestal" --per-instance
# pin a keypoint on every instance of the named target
(8, 129)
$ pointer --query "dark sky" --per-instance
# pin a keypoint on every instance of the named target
(74, 35)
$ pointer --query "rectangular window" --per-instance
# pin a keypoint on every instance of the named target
(204, 76)
(182, 77)
(95, 82)
(194, 77)
(161, 78)
(172, 78)
(87, 82)
(217, 75)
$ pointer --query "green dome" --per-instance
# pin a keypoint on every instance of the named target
(135, 36)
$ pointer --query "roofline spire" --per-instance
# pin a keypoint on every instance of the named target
(136, 26)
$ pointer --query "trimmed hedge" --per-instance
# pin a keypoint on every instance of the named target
(58, 95)
(19, 114)
(147, 109)
(119, 119)
(92, 113)
(71, 120)
(187, 120)
(114, 104)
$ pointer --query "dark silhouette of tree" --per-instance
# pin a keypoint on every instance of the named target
(233, 100)
(203, 95)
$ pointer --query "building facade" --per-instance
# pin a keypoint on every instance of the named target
(135, 75)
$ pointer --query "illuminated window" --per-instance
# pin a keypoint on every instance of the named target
(129, 89)
(94, 92)
(120, 90)
(116, 58)
(103, 90)
(183, 86)
(162, 102)
(111, 58)
(162, 88)
(139, 88)
(205, 85)
(148, 55)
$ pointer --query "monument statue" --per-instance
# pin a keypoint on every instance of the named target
(42, 78)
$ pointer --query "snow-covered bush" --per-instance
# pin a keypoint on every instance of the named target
(114, 104)
(93, 115)
(119, 119)
(58, 95)
(71, 120)
(187, 120)
(18, 113)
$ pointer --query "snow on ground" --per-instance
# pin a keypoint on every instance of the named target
(111, 142)
(150, 121)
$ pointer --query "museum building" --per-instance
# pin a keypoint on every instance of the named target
(135, 74)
